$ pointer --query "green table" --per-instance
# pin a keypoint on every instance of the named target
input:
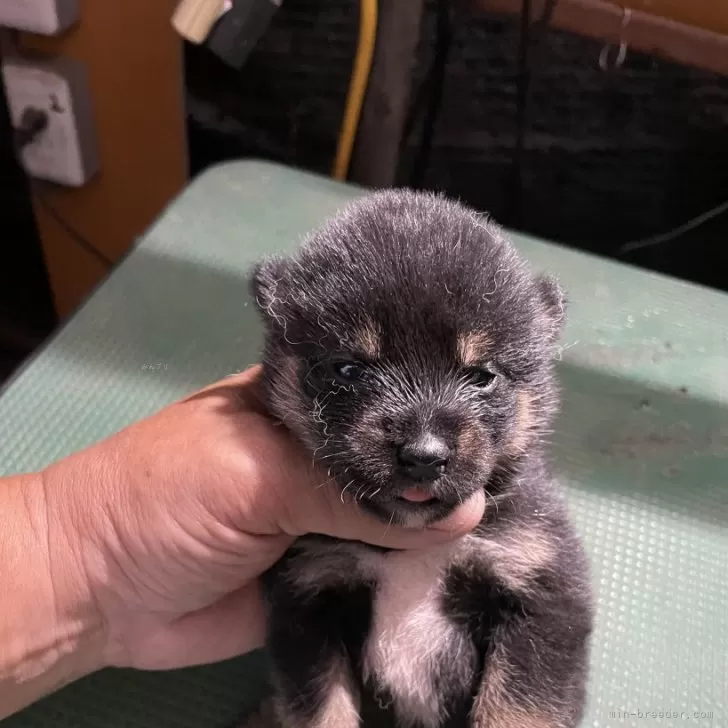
(642, 443)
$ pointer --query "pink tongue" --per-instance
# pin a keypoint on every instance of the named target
(416, 495)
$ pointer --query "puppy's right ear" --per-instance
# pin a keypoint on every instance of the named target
(553, 298)
(267, 284)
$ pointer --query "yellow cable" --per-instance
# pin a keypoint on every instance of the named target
(357, 87)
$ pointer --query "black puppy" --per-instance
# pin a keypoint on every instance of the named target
(410, 349)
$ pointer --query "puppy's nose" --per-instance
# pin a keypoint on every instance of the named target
(423, 459)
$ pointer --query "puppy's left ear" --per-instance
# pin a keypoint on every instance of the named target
(267, 284)
(553, 299)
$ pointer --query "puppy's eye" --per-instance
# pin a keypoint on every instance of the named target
(347, 371)
(482, 378)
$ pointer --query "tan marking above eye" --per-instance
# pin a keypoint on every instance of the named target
(474, 347)
(470, 439)
(367, 338)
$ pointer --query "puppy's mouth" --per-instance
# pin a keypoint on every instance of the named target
(412, 505)
(417, 494)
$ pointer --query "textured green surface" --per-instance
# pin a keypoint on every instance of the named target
(642, 443)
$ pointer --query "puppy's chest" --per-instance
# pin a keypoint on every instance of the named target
(415, 656)
(415, 651)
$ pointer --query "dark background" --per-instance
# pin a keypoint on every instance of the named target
(26, 311)
(608, 156)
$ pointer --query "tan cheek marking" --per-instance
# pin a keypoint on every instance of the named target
(470, 440)
(493, 707)
(366, 438)
(473, 347)
(368, 339)
(522, 425)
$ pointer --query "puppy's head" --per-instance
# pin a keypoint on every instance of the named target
(410, 349)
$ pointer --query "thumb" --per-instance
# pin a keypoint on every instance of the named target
(326, 514)
(233, 626)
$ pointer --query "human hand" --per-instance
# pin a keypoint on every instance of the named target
(172, 521)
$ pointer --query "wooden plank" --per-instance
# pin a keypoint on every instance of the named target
(706, 14)
(644, 32)
(133, 59)
(376, 153)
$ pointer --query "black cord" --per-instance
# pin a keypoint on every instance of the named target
(79, 239)
(528, 53)
(675, 232)
(546, 16)
(522, 89)
(33, 123)
(419, 103)
(415, 110)
(436, 86)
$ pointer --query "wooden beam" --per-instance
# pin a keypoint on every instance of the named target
(376, 153)
(684, 44)
(709, 15)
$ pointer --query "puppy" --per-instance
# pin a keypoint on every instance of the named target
(410, 349)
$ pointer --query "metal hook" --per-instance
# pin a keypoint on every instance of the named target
(622, 48)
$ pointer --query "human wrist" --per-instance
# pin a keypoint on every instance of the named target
(51, 632)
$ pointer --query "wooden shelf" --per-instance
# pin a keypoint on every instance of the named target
(687, 44)
(709, 15)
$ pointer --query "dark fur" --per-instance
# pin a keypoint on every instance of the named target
(411, 285)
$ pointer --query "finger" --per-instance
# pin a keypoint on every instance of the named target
(325, 513)
(233, 626)
(243, 387)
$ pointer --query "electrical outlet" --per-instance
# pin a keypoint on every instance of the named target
(46, 17)
(65, 152)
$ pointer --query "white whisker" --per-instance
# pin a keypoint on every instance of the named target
(493, 500)
(389, 525)
(344, 490)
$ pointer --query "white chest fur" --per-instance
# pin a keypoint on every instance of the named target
(412, 643)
